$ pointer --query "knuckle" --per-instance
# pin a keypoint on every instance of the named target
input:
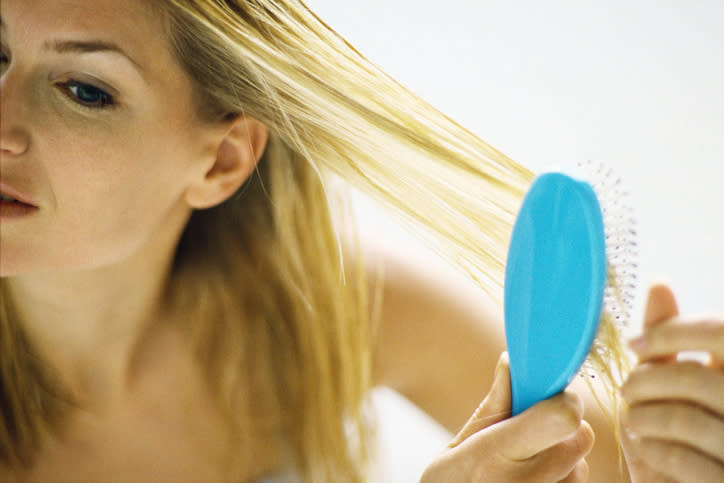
(569, 412)
(689, 375)
(554, 466)
(566, 421)
(663, 455)
(636, 419)
(584, 439)
(673, 423)
(574, 402)
(676, 435)
(685, 419)
(562, 462)
(675, 455)
(578, 474)
(498, 464)
(634, 381)
(661, 419)
(664, 420)
(710, 433)
(639, 373)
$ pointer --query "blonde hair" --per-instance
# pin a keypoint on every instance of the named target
(334, 114)
(261, 279)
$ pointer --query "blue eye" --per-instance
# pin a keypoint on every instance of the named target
(3, 60)
(89, 96)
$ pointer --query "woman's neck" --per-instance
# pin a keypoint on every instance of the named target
(90, 324)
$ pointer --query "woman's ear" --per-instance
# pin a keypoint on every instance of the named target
(236, 154)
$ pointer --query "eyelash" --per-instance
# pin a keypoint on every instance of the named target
(106, 100)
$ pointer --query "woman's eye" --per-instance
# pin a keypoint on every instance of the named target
(88, 95)
(3, 61)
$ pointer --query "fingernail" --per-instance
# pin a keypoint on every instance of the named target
(637, 344)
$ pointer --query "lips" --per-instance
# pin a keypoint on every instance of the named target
(13, 211)
(15, 205)
(9, 194)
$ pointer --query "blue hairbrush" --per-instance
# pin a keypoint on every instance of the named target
(555, 286)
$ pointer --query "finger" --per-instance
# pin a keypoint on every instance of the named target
(559, 461)
(636, 466)
(495, 407)
(680, 423)
(579, 473)
(661, 305)
(542, 426)
(673, 336)
(695, 383)
(680, 462)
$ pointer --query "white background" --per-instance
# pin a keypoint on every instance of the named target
(637, 85)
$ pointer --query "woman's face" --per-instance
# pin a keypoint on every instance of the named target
(98, 133)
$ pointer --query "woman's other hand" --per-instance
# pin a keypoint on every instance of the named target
(674, 424)
(546, 443)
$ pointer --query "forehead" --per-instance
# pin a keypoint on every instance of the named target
(136, 25)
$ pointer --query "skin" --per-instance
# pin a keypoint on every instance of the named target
(489, 447)
(675, 432)
(115, 187)
(675, 422)
(422, 296)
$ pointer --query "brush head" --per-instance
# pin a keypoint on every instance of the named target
(607, 358)
(555, 283)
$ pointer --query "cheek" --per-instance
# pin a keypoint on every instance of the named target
(112, 193)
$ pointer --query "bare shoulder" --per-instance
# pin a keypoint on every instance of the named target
(438, 333)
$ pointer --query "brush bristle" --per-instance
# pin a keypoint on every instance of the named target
(607, 357)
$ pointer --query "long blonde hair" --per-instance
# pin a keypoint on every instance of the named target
(335, 114)
(273, 294)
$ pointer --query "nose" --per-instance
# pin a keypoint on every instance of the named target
(14, 140)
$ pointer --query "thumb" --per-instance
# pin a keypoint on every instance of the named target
(661, 305)
(495, 407)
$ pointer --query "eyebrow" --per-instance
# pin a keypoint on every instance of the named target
(83, 47)
(86, 47)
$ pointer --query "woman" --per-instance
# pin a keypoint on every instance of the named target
(181, 299)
